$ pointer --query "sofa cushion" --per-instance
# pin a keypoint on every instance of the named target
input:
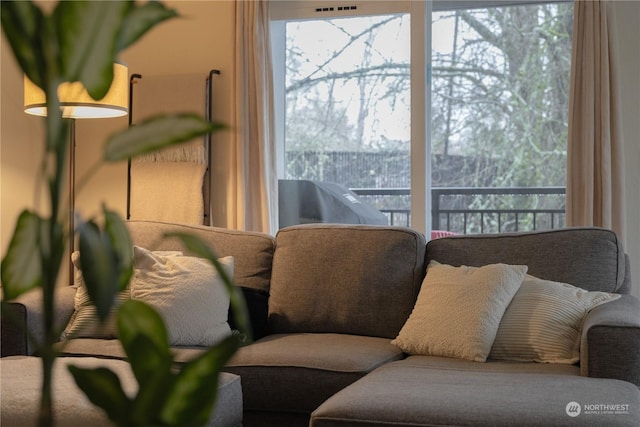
(251, 251)
(86, 347)
(543, 323)
(591, 258)
(418, 392)
(458, 310)
(21, 388)
(296, 372)
(112, 349)
(348, 279)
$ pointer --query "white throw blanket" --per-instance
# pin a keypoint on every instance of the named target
(169, 192)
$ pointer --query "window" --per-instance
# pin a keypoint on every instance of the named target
(344, 81)
(355, 108)
(500, 117)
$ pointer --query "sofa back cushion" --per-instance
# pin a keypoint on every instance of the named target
(252, 252)
(590, 258)
(352, 279)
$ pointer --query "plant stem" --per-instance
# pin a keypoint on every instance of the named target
(45, 418)
(52, 247)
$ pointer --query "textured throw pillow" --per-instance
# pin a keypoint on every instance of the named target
(187, 292)
(84, 320)
(458, 310)
(543, 323)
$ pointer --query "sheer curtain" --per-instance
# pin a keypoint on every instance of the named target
(252, 200)
(595, 166)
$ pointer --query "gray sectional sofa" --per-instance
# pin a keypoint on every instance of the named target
(326, 302)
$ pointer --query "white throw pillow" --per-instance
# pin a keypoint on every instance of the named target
(187, 292)
(458, 310)
(543, 323)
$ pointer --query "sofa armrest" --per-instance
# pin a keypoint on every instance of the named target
(23, 318)
(610, 344)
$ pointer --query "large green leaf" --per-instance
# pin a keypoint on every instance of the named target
(144, 339)
(122, 245)
(156, 133)
(103, 388)
(142, 18)
(201, 249)
(137, 318)
(193, 395)
(21, 268)
(22, 23)
(148, 361)
(99, 267)
(152, 367)
(88, 32)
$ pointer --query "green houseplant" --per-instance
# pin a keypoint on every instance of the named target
(80, 41)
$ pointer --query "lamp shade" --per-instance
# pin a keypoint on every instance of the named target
(76, 103)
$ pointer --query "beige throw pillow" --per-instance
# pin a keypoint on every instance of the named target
(543, 323)
(187, 292)
(458, 310)
(84, 321)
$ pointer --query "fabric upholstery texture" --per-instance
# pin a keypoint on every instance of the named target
(610, 341)
(590, 258)
(27, 308)
(416, 394)
(21, 385)
(459, 309)
(303, 370)
(14, 341)
(112, 349)
(274, 419)
(252, 252)
(543, 322)
(344, 279)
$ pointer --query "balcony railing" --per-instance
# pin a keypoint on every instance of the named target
(467, 210)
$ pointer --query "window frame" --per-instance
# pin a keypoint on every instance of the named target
(420, 13)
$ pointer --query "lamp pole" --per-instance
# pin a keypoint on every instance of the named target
(72, 193)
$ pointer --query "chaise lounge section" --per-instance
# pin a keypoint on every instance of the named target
(326, 302)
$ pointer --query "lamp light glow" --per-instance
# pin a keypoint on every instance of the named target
(76, 103)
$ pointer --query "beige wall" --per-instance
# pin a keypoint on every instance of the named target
(21, 146)
(199, 41)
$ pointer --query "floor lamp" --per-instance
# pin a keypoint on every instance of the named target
(76, 103)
